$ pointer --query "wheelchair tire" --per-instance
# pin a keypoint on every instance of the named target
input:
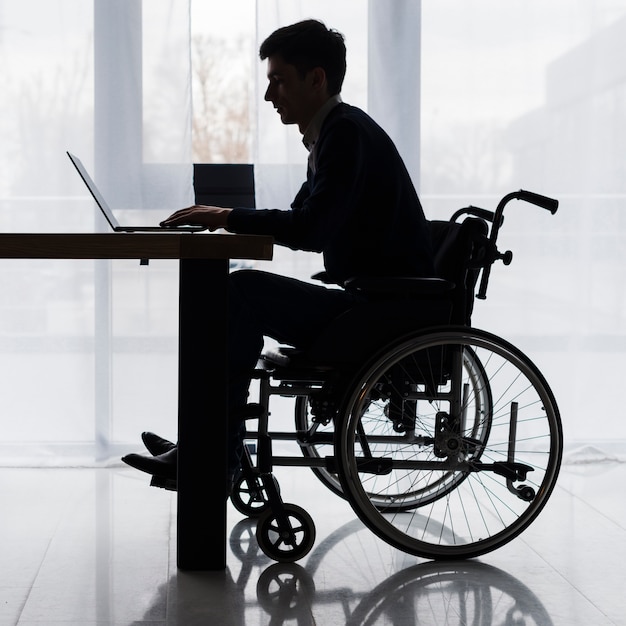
(483, 479)
(386, 499)
(286, 537)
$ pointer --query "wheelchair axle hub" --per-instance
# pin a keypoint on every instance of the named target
(323, 408)
(448, 441)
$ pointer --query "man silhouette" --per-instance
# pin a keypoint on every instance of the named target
(358, 207)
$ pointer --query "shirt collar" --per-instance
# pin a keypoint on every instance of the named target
(312, 133)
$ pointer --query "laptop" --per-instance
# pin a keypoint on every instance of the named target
(108, 214)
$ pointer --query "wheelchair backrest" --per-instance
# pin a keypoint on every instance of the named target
(460, 250)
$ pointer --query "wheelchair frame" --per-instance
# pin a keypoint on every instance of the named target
(446, 440)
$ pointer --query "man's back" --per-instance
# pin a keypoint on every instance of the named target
(369, 219)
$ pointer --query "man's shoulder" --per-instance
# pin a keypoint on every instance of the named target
(346, 115)
(347, 111)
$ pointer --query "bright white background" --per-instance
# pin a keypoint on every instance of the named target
(482, 98)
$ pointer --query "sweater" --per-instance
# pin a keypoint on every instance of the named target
(358, 206)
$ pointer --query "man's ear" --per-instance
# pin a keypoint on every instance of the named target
(318, 78)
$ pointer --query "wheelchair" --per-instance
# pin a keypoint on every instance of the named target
(445, 439)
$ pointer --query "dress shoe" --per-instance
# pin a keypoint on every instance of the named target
(163, 465)
(156, 445)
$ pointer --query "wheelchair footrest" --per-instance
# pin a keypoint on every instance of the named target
(373, 465)
(508, 469)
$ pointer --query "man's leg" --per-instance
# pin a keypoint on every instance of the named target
(268, 305)
(260, 304)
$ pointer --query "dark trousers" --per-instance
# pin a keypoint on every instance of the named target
(268, 305)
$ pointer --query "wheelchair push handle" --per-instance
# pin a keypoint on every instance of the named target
(544, 202)
(550, 204)
(475, 211)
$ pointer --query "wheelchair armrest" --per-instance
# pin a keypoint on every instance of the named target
(398, 285)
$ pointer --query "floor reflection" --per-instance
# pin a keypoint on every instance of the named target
(345, 581)
(429, 593)
(97, 546)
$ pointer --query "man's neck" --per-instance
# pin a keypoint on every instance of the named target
(312, 131)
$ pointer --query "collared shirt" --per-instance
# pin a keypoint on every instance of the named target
(312, 133)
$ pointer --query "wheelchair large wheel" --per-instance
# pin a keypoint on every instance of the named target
(483, 476)
(389, 495)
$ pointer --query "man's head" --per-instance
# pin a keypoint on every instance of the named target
(307, 45)
(306, 66)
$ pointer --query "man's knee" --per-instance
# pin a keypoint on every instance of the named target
(259, 288)
(249, 281)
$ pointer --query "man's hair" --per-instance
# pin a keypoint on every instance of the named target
(307, 45)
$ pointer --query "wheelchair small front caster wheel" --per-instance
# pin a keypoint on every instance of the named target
(249, 495)
(288, 536)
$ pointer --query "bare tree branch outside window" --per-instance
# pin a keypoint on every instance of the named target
(222, 86)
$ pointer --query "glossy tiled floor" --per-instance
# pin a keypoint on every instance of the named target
(97, 546)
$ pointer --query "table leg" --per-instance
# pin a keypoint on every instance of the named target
(202, 414)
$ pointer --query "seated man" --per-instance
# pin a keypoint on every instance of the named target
(358, 207)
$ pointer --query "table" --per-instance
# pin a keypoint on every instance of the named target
(202, 374)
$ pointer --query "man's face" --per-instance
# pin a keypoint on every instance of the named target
(296, 99)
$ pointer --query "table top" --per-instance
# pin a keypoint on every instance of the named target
(166, 245)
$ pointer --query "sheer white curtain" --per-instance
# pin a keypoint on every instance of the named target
(482, 98)
(88, 349)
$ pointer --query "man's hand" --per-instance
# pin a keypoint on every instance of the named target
(211, 217)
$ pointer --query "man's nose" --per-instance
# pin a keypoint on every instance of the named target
(268, 95)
